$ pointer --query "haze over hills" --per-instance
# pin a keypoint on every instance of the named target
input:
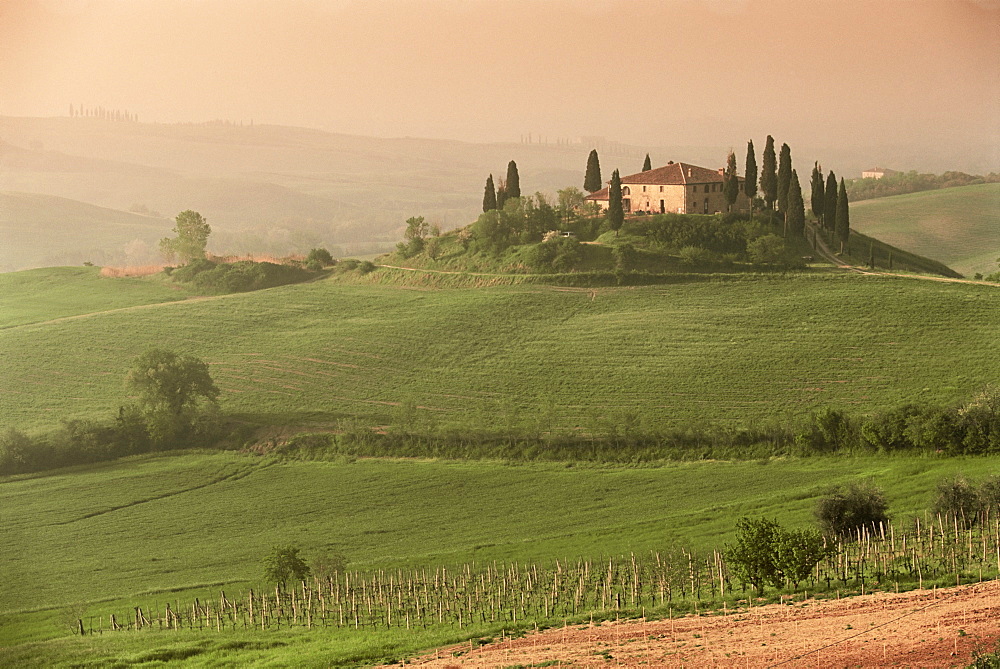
(275, 189)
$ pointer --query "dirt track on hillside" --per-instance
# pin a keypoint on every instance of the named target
(922, 628)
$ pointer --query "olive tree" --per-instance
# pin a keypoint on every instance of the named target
(173, 391)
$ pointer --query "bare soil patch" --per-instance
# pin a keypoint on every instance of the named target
(922, 628)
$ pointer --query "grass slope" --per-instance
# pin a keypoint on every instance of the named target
(59, 292)
(958, 226)
(95, 540)
(727, 349)
(44, 230)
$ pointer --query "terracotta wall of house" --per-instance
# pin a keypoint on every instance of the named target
(672, 196)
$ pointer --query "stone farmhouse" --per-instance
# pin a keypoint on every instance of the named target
(877, 173)
(676, 188)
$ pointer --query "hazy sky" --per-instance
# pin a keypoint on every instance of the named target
(662, 73)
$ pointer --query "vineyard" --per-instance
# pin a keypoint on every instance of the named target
(515, 596)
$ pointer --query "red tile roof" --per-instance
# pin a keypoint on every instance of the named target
(674, 174)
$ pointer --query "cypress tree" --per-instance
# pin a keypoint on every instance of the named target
(817, 201)
(513, 181)
(731, 182)
(592, 180)
(501, 194)
(616, 214)
(830, 201)
(490, 196)
(646, 165)
(769, 174)
(843, 217)
(750, 176)
(784, 177)
(796, 212)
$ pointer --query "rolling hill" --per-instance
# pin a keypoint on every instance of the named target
(381, 348)
(44, 230)
(732, 349)
(958, 226)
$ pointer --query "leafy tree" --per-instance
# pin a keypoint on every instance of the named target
(845, 511)
(731, 185)
(173, 392)
(616, 214)
(646, 165)
(784, 177)
(327, 565)
(490, 195)
(513, 182)
(958, 499)
(796, 213)
(570, 199)
(192, 232)
(817, 200)
(754, 556)
(798, 552)
(592, 179)
(843, 228)
(769, 174)
(284, 563)
(750, 176)
(830, 201)
(321, 256)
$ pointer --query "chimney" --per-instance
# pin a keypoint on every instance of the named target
(689, 172)
(722, 171)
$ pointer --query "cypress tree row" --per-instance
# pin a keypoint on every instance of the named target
(592, 180)
(646, 165)
(784, 177)
(490, 196)
(830, 201)
(616, 214)
(769, 174)
(796, 213)
(513, 186)
(750, 176)
(731, 182)
(843, 217)
(817, 200)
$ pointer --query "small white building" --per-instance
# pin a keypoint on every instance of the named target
(877, 173)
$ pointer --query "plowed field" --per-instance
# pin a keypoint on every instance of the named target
(924, 628)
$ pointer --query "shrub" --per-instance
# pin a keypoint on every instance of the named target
(765, 553)
(753, 558)
(887, 431)
(828, 431)
(958, 499)
(846, 511)
(321, 256)
(366, 266)
(695, 255)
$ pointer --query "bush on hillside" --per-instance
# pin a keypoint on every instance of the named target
(321, 256)
(846, 511)
(767, 554)
(239, 277)
(958, 500)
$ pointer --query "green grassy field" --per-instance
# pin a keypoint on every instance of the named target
(95, 540)
(727, 349)
(958, 226)
(48, 294)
